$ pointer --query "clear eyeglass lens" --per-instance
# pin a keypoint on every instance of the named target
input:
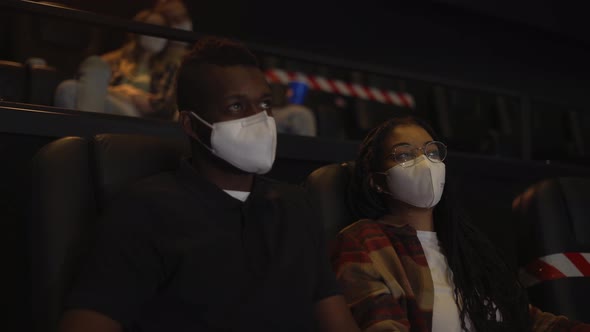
(406, 154)
(435, 151)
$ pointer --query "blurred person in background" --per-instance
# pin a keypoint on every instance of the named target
(178, 17)
(135, 80)
(291, 115)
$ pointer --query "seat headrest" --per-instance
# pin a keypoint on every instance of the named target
(121, 159)
(327, 188)
(70, 177)
(62, 210)
(555, 213)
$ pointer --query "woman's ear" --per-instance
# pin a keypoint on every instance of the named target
(379, 185)
(373, 184)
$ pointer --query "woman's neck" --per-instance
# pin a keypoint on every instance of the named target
(403, 214)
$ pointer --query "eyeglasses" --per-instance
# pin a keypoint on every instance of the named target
(406, 154)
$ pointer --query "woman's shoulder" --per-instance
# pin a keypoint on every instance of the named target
(113, 56)
(362, 230)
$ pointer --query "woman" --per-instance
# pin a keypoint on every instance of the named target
(414, 262)
(135, 80)
(177, 15)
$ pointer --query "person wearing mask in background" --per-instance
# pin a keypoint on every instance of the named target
(135, 80)
(177, 15)
(291, 114)
(414, 262)
(213, 246)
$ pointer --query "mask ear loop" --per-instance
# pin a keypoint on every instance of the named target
(380, 189)
(197, 136)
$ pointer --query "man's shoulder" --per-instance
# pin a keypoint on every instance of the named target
(279, 185)
(153, 186)
(146, 194)
(282, 189)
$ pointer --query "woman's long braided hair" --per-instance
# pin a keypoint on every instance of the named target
(484, 284)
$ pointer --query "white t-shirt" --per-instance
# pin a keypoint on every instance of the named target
(445, 313)
(239, 195)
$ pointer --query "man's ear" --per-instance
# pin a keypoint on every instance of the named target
(186, 122)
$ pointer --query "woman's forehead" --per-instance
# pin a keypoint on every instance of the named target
(410, 133)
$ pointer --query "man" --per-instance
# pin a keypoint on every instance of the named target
(212, 246)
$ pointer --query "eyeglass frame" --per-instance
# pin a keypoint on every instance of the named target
(423, 149)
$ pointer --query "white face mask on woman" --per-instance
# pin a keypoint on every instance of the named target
(248, 143)
(182, 25)
(152, 44)
(420, 185)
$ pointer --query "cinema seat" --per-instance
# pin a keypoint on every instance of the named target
(74, 178)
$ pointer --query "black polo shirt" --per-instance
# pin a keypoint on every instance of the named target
(176, 253)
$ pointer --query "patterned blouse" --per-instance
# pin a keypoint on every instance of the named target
(387, 282)
(162, 84)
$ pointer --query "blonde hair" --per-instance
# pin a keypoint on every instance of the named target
(173, 10)
(131, 51)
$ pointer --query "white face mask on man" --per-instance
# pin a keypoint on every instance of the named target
(420, 185)
(248, 143)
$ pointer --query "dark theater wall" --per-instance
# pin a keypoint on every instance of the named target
(535, 47)
(434, 39)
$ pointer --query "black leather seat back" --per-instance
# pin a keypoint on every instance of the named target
(13, 78)
(327, 188)
(553, 219)
(73, 177)
(121, 160)
(63, 208)
(43, 80)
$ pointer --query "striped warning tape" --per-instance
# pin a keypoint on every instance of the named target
(556, 266)
(342, 88)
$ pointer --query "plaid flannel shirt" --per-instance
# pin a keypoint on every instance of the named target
(387, 282)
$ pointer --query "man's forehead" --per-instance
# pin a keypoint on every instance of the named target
(219, 82)
(233, 71)
(236, 78)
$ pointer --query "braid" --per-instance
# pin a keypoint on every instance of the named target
(363, 200)
(484, 284)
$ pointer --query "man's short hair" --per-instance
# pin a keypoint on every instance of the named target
(208, 51)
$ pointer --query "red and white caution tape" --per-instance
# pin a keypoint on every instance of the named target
(556, 266)
(342, 88)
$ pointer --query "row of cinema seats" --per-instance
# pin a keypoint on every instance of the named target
(74, 179)
(471, 122)
(468, 121)
(28, 83)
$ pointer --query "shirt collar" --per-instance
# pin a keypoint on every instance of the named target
(399, 229)
(206, 190)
